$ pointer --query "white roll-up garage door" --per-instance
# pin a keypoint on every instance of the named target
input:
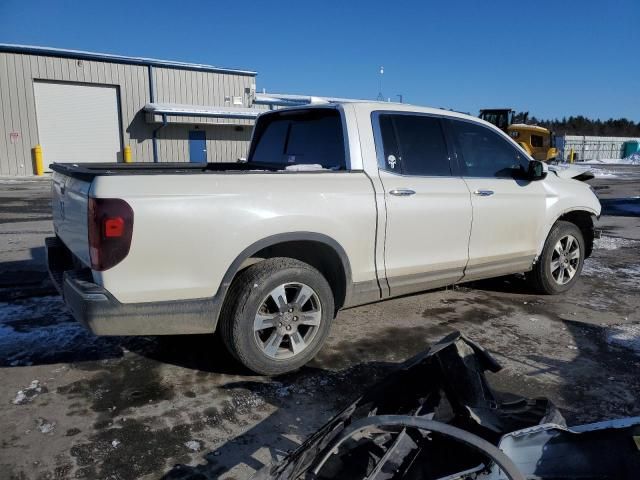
(77, 122)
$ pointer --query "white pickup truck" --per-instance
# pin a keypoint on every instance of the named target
(337, 205)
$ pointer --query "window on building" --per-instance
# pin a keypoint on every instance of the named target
(414, 145)
(484, 153)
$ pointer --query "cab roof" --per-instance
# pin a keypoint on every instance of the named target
(524, 126)
(370, 105)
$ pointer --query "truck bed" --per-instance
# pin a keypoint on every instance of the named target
(88, 171)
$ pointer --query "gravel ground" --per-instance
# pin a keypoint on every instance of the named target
(78, 406)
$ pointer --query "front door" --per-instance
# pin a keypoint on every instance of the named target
(508, 209)
(428, 209)
(197, 146)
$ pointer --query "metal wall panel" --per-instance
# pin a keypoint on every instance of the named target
(17, 75)
(18, 112)
(7, 156)
(202, 88)
(224, 143)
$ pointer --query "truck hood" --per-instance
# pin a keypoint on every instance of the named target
(577, 172)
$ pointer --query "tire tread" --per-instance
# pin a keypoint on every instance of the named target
(236, 304)
(538, 277)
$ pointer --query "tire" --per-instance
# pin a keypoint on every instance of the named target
(558, 268)
(263, 330)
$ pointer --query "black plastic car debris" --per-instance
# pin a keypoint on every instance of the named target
(604, 450)
(436, 417)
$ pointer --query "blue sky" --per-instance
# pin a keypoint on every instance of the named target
(553, 58)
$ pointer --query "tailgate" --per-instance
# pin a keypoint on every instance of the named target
(70, 202)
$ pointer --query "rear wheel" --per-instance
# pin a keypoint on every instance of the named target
(560, 264)
(277, 315)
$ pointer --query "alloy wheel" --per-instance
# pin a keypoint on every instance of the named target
(565, 259)
(287, 320)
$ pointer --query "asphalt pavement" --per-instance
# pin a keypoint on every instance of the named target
(78, 406)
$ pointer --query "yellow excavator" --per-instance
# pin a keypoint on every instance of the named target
(537, 141)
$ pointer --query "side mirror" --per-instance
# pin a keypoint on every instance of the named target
(537, 170)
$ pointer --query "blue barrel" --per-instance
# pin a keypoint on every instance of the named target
(631, 147)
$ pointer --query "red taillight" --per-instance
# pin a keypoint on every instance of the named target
(110, 231)
(114, 227)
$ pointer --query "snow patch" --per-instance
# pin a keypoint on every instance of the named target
(40, 330)
(27, 394)
(613, 243)
(626, 277)
(193, 445)
(627, 336)
(45, 426)
(33, 307)
(601, 173)
(633, 159)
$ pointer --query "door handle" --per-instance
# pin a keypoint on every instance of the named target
(483, 193)
(402, 192)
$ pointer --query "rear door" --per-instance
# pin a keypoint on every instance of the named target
(508, 210)
(428, 208)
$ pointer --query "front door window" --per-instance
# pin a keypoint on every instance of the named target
(484, 153)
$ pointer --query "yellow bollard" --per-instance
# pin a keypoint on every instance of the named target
(571, 156)
(127, 154)
(37, 160)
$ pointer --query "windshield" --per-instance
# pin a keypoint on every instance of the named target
(300, 137)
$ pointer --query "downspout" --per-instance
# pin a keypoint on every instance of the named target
(152, 99)
(155, 137)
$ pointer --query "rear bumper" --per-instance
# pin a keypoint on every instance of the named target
(100, 312)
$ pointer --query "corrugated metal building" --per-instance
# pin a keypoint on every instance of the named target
(83, 106)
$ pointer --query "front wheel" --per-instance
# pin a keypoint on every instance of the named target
(560, 264)
(277, 315)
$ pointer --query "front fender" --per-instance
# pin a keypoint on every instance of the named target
(562, 197)
(552, 221)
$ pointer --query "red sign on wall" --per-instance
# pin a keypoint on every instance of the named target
(14, 136)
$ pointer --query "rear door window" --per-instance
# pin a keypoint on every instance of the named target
(307, 137)
(414, 145)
